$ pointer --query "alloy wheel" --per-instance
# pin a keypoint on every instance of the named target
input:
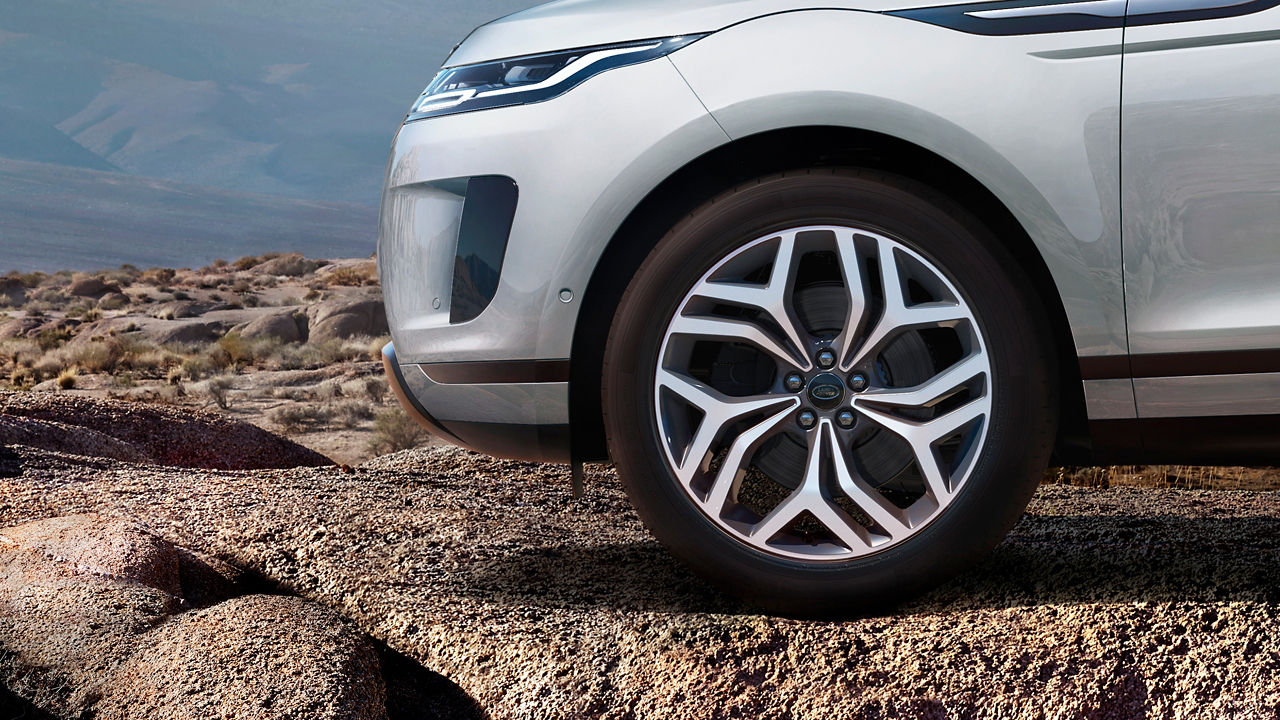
(822, 393)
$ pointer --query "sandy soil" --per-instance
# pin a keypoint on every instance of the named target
(1103, 603)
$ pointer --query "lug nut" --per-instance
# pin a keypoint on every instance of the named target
(858, 382)
(806, 419)
(826, 358)
(845, 418)
(794, 382)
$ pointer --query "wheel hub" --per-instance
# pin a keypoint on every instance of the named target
(825, 391)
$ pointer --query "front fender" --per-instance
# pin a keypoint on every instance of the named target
(1041, 134)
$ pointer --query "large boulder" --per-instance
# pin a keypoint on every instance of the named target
(113, 301)
(89, 286)
(167, 435)
(291, 265)
(184, 331)
(283, 326)
(178, 309)
(258, 656)
(20, 327)
(74, 594)
(343, 318)
(99, 617)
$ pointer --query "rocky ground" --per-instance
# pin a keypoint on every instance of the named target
(165, 554)
(478, 580)
(281, 341)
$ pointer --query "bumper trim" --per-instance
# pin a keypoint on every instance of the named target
(410, 404)
(497, 372)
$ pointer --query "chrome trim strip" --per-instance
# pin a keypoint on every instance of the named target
(1208, 395)
(1098, 8)
(1110, 399)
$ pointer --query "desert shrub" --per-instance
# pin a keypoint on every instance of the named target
(21, 351)
(92, 315)
(26, 280)
(219, 263)
(181, 295)
(196, 367)
(125, 379)
(350, 413)
(312, 295)
(22, 378)
(329, 390)
(354, 275)
(67, 378)
(241, 286)
(394, 431)
(160, 277)
(52, 338)
(291, 393)
(246, 262)
(374, 388)
(234, 349)
(298, 416)
(250, 300)
(218, 390)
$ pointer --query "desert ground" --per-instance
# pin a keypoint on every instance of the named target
(237, 523)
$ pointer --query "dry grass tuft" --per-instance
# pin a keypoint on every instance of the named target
(394, 431)
(67, 378)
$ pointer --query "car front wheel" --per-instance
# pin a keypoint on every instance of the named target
(827, 390)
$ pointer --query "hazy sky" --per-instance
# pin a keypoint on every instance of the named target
(191, 105)
(288, 97)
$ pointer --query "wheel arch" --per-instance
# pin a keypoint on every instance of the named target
(785, 149)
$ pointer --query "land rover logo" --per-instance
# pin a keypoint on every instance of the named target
(826, 390)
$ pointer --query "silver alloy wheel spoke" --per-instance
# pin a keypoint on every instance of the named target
(810, 498)
(897, 316)
(773, 297)
(718, 411)
(730, 330)
(922, 436)
(930, 420)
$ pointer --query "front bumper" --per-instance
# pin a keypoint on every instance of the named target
(578, 164)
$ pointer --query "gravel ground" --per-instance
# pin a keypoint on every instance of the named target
(1118, 603)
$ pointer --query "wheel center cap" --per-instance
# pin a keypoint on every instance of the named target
(826, 390)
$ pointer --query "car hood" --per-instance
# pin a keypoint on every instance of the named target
(582, 23)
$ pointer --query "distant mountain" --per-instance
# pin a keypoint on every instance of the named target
(291, 98)
(55, 217)
(288, 97)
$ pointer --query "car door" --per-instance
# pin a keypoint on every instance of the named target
(1200, 157)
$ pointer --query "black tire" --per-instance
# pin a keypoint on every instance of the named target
(1021, 426)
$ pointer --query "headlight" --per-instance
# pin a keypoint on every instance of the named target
(533, 78)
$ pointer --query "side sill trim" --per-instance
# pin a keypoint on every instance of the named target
(497, 372)
(1156, 365)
